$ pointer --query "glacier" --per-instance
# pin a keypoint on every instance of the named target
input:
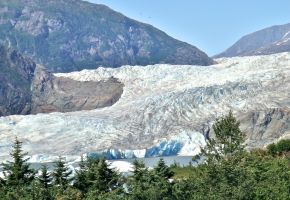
(164, 110)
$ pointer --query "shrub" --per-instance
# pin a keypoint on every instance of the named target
(282, 146)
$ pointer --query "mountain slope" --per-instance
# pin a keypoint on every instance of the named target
(164, 110)
(16, 76)
(275, 39)
(70, 35)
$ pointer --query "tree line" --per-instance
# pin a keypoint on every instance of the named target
(227, 172)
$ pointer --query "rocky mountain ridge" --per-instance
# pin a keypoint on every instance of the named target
(275, 39)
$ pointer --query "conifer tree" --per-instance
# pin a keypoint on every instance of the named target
(228, 133)
(163, 170)
(81, 176)
(18, 171)
(44, 178)
(140, 181)
(96, 177)
(228, 139)
(139, 170)
(106, 178)
(61, 174)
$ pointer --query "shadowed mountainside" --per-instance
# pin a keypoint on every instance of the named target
(16, 76)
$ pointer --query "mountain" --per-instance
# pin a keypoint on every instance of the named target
(27, 88)
(70, 35)
(163, 110)
(275, 39)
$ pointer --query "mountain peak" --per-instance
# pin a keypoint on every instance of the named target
(274, 39)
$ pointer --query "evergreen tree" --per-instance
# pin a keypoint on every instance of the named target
(139, 182)
(61, 174)
(17, 172)
(81, 176)
(96, 176)
(163, 170)
(44, 178)
(228, 139)
(153, 184)
(106, 178)
(139, 171)
(228, 133)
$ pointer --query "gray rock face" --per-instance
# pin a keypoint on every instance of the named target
(70, 35)
(16, 74)
(275, 39)
(265, 126)
(57, 94)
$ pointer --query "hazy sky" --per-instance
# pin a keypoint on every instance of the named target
(211, 25)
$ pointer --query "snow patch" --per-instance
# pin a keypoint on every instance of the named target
(121, 166)
(286, 34)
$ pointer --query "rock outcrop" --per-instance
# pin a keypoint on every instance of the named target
(58, 94)
(71, 35)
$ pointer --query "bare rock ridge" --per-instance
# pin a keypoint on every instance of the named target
(27, 88)
(71, 35)
(275, 39)
(57, 94)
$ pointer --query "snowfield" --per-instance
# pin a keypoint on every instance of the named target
(164, 110)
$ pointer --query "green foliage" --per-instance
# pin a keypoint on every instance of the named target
(182, 172)
(61, 174)
(228, 139)
(17, 172)
(283, 146)
(44, 184)
(81, 177)
(154, 184)
(96, 177)
(44, 178)
(254, 176)
(163, 170)
(140, 171)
